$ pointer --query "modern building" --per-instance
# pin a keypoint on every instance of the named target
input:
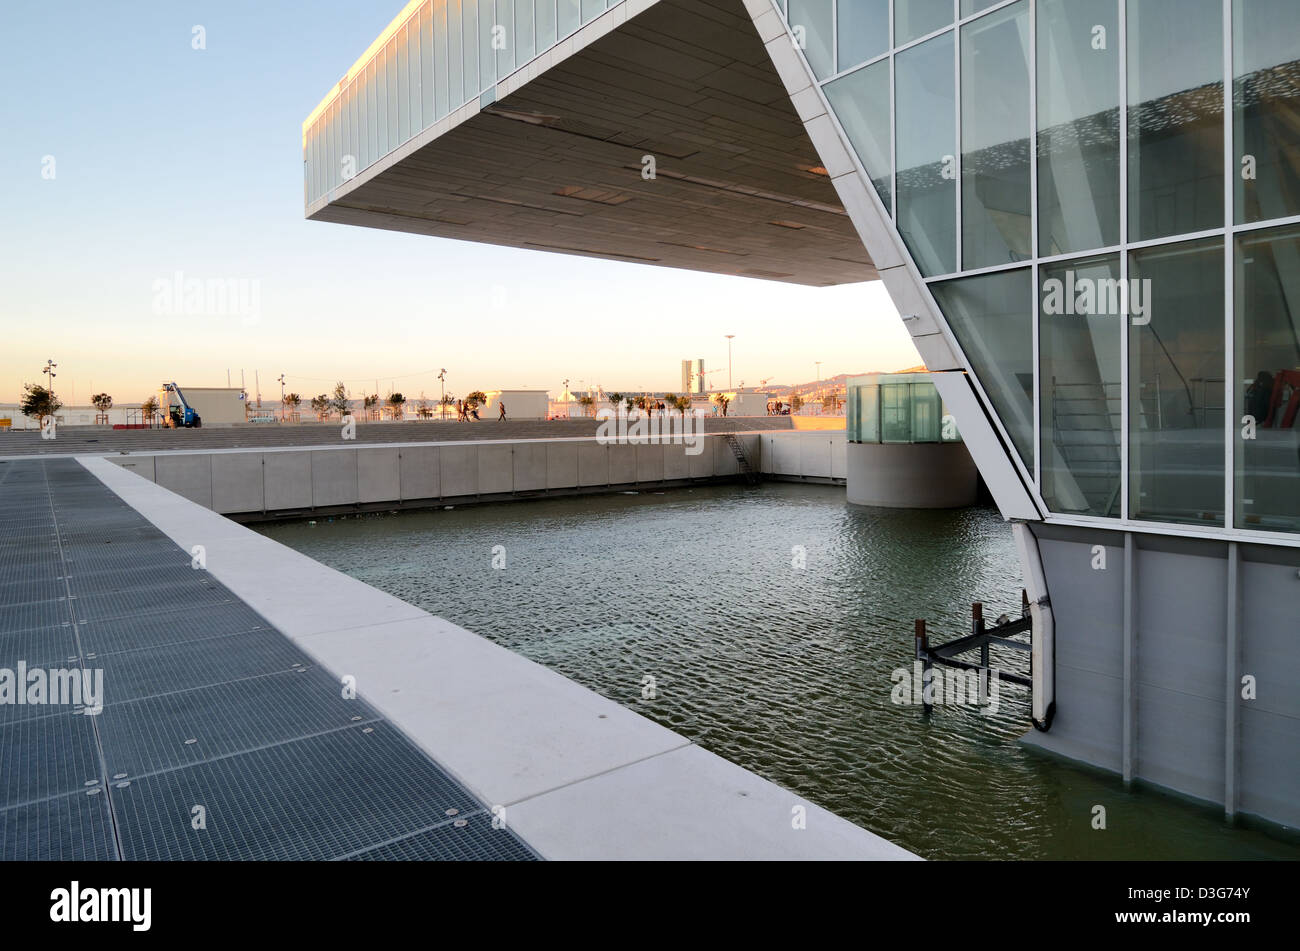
(520, 404)
(692, 376)
(903, 448)
(1086, 211)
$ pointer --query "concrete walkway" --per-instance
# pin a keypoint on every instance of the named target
(570, 773)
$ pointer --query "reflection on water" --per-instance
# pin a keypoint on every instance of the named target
(784, 671)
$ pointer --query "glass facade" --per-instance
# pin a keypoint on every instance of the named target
(897, 408)
(444, 54)
(1102, 198)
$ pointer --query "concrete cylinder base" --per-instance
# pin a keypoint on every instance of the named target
(912, 475)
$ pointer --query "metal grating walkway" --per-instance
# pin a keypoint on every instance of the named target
(205, 705)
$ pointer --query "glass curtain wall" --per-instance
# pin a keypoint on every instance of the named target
(1102, 198)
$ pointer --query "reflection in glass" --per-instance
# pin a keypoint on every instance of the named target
(469, 33)
(1078, 125)
(992, 316)
(861, 102)
(995, 127)
(592, 8)
(394, 116)
(505, 56)
(916, 18)
(428, 83)
(1266, 102)
(1176, 390)
(812, 21)
(487, 57)
(927, 413)
(1175, 117)
(1267, 309)
(862, 31)
(1081, 387)
(403, 86)
(969, 7)
(926, 130)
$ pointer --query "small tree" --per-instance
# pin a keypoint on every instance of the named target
(339, 402)
(149, 409)
(292, 400)
(447, 400)
(616, 400)
(102, 402)
(684, 404)
(38, 402)
(370, 401)
(586, 402)
(629, 402)
(722, 402)
(395, 401)
(477, 398)
(321, 404)
(422, 409)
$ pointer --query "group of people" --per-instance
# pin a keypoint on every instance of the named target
(465, 411)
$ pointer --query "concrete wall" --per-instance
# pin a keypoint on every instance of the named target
(256, 482)
(912, 475)
(1188, 729)
(812, 456)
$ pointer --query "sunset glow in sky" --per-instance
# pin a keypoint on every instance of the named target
(129, 159)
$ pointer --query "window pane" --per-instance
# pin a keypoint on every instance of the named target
(381, 93)
(992, 316)
(926, 130)
(505, 57)
(868, 414)
(916, 18)
(545, 25)
(927, 413)
(1078, 125)
(1175, 119)
(441, 94)
(469, 36)
(394, 116)
(570, 17)
(1176, 383)
(374, 105)
(995, 127)
(1081, 385)
(863, 31)
(525, 48)
(970, 7)
(487, 57)
(455, 52)
(811, 22)
(896, 412)
(403, 87)
(428, 79)
(591, 9)
(861, 102)
(1268, 379)
(1266, 97)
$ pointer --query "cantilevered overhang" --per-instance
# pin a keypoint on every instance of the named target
(555, 157)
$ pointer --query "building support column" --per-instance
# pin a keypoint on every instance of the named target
(1128, 748)
(1232, 667)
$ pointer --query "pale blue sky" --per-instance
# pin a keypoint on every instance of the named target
(169, 159)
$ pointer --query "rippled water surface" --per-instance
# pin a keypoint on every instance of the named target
(786, 672)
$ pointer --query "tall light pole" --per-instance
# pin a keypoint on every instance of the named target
(729, 339)
(49, 370)
(282, 397)
(442, 400)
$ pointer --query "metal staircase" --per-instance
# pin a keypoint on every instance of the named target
(742, 459)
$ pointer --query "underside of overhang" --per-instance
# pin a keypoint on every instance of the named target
(560, 163)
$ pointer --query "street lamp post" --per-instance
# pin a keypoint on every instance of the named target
(442, 400)
(49, 370)
(729, 339)
(282, 397)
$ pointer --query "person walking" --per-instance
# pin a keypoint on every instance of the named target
(460, 411)
(501, 418)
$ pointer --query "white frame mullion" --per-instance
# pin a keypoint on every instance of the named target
(957, 162)
(1126, 375)
(1033, 242)
(1229, 281)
